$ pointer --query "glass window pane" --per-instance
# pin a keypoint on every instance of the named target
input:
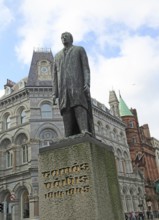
(46, 111)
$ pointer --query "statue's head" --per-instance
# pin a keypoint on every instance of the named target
(66, 38)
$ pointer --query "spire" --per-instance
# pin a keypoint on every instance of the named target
(114, 103)
(123, 108)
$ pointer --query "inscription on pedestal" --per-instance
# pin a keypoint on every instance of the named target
(66, 181)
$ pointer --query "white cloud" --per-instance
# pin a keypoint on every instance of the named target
(43, 25)
(1, 93)
(114, 23)
(5, 16)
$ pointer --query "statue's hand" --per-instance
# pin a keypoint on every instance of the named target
(87, 89)
(54, 100)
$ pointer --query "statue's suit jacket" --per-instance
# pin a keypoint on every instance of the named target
(70, 73)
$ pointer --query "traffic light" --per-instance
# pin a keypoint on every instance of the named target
(1, 207)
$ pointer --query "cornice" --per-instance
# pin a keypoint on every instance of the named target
(108, 115)
(13, 98)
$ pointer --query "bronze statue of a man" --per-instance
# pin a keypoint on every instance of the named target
(71, 84)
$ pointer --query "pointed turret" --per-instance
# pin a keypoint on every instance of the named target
(41, 68)
(114, 103)
(123, 108)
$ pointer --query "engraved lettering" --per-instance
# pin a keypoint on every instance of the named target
(66, 181)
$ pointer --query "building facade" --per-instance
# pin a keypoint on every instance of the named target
(29, 121)
(143, 153)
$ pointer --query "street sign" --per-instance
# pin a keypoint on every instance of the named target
(12, 197)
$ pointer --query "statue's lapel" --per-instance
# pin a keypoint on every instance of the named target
(68, 55)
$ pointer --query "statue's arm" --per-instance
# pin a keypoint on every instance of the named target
(86, 69)
(85, 66)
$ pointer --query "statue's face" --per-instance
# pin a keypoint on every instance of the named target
(66, 38)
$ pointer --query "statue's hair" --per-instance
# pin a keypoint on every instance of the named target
(71, 37)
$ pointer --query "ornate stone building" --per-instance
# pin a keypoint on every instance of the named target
(29, 120)
(144, 152)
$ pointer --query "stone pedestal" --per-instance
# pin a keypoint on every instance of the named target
(78, 181)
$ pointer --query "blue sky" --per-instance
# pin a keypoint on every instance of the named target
(121, 39)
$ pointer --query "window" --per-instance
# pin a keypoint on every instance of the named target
(22, 141)
(131, 124)
(47, 136)
(25, 205)
(133, 140)
(100, 127)
(23, 117)
(9, 159)
(24, 153)
(119, 162)
(7, 122)
(46, 111)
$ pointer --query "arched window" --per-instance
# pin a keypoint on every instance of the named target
(114, 134)
(47, 136)
(119, 162)
(21, 140)
(126, 163)
(46, 111)
(6, 121)
(22, 117)
(25, 205)
(100, 127)
(24, 153)
(5, 143)
(9, 158)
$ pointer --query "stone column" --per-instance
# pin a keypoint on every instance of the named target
(15, 210)
(34, 207)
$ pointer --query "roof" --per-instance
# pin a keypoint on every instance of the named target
(33, 79)
(113, 97)
(123, 108)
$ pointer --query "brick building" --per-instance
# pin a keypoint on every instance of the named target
(142, 152)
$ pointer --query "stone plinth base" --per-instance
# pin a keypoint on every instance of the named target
(78, 181)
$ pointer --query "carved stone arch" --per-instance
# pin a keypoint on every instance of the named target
(47, 126)
(132, 190)
(21, 139)
(47, 137)
(6, 136)
(6, 120)
(5, 193)
(18, 188)
(140, 191)
(18, 109)
(121, 133)
(107, 127)
(115, 130)
(5, 144)
(100, 126)
(7, 113)
(43, 62)
(29, 187)
(126, 155)
(46, 101)
(21, 131)
(125, 189)
(119, 152)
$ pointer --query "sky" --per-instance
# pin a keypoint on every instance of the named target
(121, 39)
